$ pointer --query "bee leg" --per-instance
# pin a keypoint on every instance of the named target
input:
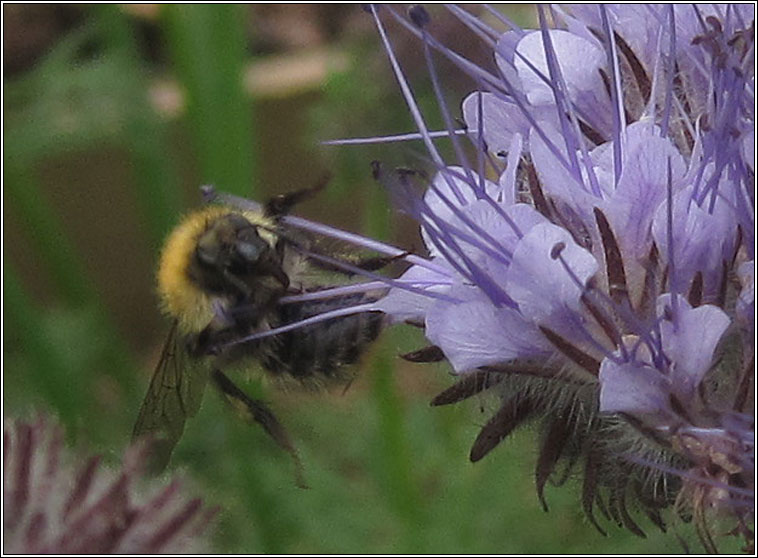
(265, 268)
(253, 410)
(209, 342)
(236, 282)
(282, 204)
(274, 270)
(366, 264)
(223, 328)
(377, 263)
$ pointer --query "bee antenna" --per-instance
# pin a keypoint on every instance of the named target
(208, 191)
(282, 204)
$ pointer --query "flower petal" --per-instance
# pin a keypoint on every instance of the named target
(475, 333)
(689, 340)
(540, 284)
(634, 389)
(403, 305)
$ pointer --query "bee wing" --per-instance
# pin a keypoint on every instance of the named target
(174, 394)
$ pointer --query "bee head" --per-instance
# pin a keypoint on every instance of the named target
(230, 255)
(230, 242)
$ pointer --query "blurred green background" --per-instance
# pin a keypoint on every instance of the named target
(113, 116)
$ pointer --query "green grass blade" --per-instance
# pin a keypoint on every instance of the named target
(207, 44)
(46, 233)
(145, 135)
(50, 378)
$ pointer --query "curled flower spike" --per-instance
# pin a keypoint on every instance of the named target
(591, 249)
(53, 505)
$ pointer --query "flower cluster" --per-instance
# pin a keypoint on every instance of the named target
(591, 250)
(53, 506)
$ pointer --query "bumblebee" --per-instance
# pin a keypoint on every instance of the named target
(222, 274)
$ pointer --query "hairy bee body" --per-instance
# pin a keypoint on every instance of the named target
(185, 296)
(323, 349)
(221, 276)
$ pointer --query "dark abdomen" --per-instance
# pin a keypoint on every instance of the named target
(321, 349)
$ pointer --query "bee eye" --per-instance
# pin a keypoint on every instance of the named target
(250, 251)
(248, 245)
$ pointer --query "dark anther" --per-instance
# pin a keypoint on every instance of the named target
(432, 353)
(715, 23)
(419, 16)
(555, 252)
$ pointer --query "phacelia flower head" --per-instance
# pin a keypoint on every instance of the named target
(52, 505)
(590, 250)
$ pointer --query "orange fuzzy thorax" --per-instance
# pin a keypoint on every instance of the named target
(180, 297)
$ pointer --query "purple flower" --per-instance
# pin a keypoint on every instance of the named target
(591, 248)
(53, 505)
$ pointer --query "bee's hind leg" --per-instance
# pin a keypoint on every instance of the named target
(366, 264)
(253, 410)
